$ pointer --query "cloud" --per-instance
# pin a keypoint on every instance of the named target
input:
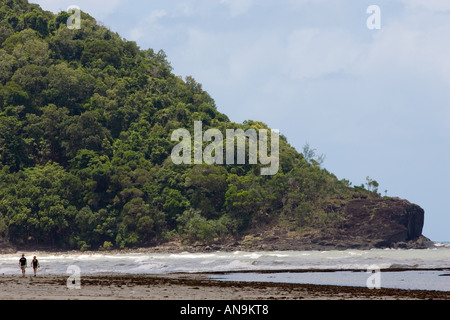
(149, 26)
(155, 15)
(431, 5)
(313, 52)
(184, 9)
(416, 46)
(259, 57)
(238, 7)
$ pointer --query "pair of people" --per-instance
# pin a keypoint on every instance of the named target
(23, 264)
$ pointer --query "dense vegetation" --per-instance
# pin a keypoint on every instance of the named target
(85, 139)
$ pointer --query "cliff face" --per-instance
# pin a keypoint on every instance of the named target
(377, 223)
(383, 222)
(364, 224)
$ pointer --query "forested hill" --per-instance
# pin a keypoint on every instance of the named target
(86, 119)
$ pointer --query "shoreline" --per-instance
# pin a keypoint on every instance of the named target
(195, 287)
(176, 248)
(421, 243)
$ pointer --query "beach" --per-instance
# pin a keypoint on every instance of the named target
(169, 275)
(193, 287)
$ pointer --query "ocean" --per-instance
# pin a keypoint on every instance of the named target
(426, 269)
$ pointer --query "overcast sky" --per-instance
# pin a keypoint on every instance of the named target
(376, 102)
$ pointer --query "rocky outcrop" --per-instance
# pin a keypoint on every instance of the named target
(383, 222)
(364, 224)
(378, 223)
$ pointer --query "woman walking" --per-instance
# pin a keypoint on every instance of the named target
(35, 265)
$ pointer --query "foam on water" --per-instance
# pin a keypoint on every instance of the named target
(158, 263)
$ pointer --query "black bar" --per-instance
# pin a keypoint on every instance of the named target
(236, 309)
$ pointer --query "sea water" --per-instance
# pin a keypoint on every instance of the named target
(429, 268)
(410, 280)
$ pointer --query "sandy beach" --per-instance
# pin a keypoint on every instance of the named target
(189, 287)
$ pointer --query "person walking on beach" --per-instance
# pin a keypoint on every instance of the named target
(35, 265)
(23, 264)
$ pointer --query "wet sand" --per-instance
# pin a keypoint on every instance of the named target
(188, 287)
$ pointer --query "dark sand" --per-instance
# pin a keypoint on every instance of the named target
(189, 287)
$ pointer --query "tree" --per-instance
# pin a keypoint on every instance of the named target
(68, 87)
(372, 185)
(194, 227)
(46, 134)
(311, 156)
(84, 132)
(206, 186)
(38, 207)
(101, 53)
(8, 64)
(12, 94)
(37, 21)
(32, 51)
(64, 46)
(136, 226)
(33, 79)
(13, 146)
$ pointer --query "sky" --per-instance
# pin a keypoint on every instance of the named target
(374, 101)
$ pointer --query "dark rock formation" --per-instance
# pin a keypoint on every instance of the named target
(378, 223)
(383, 222)
(364, 224)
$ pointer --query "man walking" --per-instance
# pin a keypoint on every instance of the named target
(23, 264)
